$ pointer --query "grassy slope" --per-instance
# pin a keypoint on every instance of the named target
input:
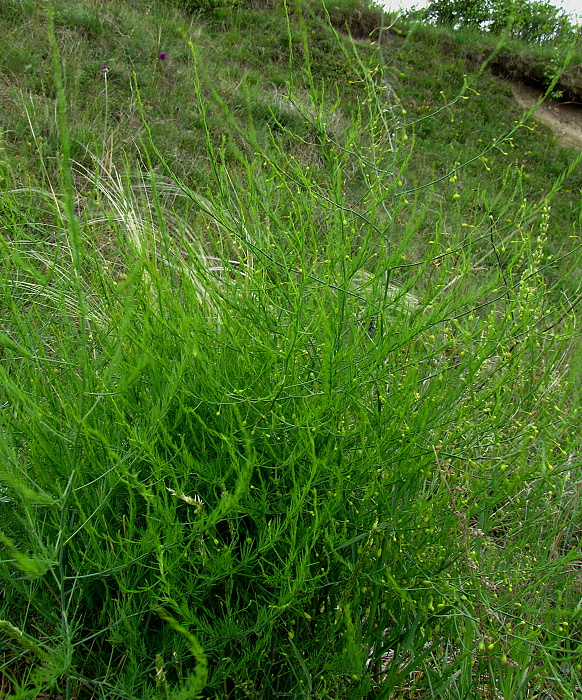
(246, 56)
(300, 361)
(247, 50)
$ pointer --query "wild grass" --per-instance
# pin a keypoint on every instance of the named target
(257, 442)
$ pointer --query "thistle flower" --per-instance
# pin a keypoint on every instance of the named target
(162, 55)
(104, 69)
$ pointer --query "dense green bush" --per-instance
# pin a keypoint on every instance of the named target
(537, 21)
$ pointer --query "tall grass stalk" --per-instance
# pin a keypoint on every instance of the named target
(256, 446)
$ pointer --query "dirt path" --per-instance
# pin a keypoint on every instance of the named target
(563, 118)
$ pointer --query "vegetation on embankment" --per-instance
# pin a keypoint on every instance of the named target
(245, 56)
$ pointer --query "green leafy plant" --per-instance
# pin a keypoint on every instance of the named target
(531, 21)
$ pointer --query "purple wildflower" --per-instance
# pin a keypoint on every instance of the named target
(104, 69)
(162, 55)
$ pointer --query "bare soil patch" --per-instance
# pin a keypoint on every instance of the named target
(564, 118)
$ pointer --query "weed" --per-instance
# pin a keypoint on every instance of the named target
(258, 439)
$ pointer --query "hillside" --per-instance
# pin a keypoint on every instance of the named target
(289, 356)
(426, 71)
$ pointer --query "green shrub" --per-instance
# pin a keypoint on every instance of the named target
(536, 21)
